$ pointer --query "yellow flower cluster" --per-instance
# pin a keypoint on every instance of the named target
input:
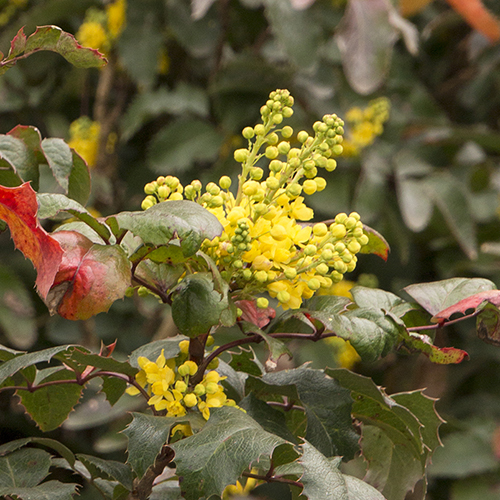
(10, 9)
(240, 490)
(84, 138)
(364, 125)
(167, 382)
(265, 247)
(101, 28)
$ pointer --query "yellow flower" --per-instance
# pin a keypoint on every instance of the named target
(84, 138)
(240, 489)
(116, 13)
(92, 34)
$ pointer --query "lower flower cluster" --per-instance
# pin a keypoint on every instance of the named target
(167, 381)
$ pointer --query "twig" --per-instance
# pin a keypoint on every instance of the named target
(274, 479)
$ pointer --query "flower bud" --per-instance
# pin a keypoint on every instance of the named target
(248, 132)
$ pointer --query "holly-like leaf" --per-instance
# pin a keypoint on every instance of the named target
(400, 433)
(24, 468)
(322, 477)
(18, 208)
(18, 361)
(147, 435)
(230, 441)
(246, 361)
(50, 405)
(437, 296)
(50, 205)
(90, 278)
(66, 453)
(108, 469)
(359, 490)
(182, 219)
(327, 406)
(377, 244)
(113, 388)
(51, 490)
(56, 40)
(197, 306)
(373, 298)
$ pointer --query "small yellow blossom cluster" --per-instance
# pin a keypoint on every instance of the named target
(167, 381)
(101, 28)
(10, 9)
(240, 490)
(84, 138)
(364, 125)
(264, 246)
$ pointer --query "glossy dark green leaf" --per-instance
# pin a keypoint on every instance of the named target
(154, 431)
(326, 405)
(51, 490)
(185, 220)
(24, 468)
(113, 388)
(8, 368)
(108, 469)
(197, 306)
(50, 406)
(231, 440)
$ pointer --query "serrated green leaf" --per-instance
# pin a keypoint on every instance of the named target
(108, 469)
(392, 467)
(322, 477)
(79, 180)
(84, 358)
(50, 205)
(359, 490)
(24, 468)
(153, 349)
(50, 406)
(183, 143)
(246, 361)
(10, 367)
(65, 452)
(197, 306)
(147, 434)
(326, 404)
(373, 298)
(182, 219)
(395, 443)
(51, 490)
(113, 388)
(269, 418)
(230, 441)
(54, 39)
(436, 296)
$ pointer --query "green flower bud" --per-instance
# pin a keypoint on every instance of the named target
(322, 269)
(327, 255)
(259, 129)
(314, 284)
(290, 273)
(272, 183)
(199, 389)
(284, 147)
(287, 132)
(275, 166)
(214, 364)
(283, 296)
(271, 152)
(247, 275)
(277, 118)
(262, 303)
(350, 222)
(225, 181)
(310, 250)
(354, 247)
(331, 165)
(190, 400)
(241, 155)
(337, 149)
(150, 187)
(302, 136)
(213, 189)
(148, 202)
(273, 139)
(294, 190)
(248, 132)
(287, 112)
(256, 173)
(340, 218)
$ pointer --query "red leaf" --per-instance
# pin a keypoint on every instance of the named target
(472, 302)
(255, 315)
(18, 208)
(91, 277)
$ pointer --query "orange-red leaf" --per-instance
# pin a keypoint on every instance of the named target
(480, 18)
(255, 315)
(91, 277)
(472, 302)
(18, 208)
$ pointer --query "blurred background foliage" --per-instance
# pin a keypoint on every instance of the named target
(419, 89)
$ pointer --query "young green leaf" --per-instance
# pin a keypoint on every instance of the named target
(230, 441)
(436, 296)
(24, 468)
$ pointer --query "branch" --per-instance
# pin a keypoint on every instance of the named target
(163, 296)
(442, 324)
(274, 479)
